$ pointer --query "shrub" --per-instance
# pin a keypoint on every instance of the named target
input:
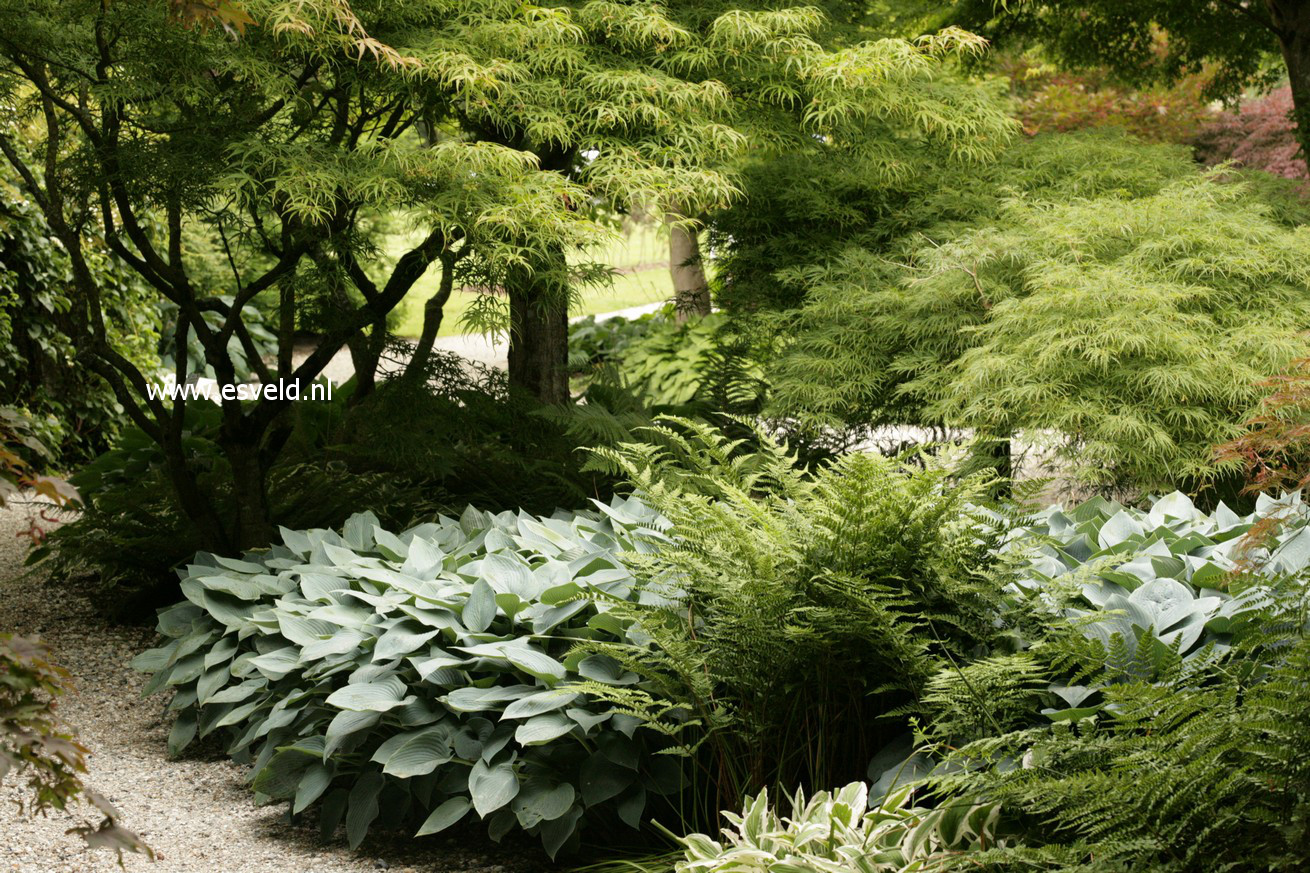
(841, 831)
(413, 448)
(1125, 331)
(35, 743)
(1260, 135)
(414, 677)
(19, 449)
(72, 409)
(1051, 101)
(1274, 449)
(593, 342)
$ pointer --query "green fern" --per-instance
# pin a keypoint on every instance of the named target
(803, 608)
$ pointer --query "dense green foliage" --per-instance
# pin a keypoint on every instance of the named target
(73, 410)
(421, 675)
(809, 605)
(1124, 330)
(1230, 45)
(412, 449)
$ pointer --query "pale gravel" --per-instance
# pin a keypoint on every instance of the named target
(196, 812)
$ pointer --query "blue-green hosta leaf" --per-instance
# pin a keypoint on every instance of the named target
(1119, 529)
(390, 545)
(602, 668)
(420, 754)
(1165, 601)
(237, 693)
(445, 815)
(588, 720)
(344, 641)
(541, 729)
(491, 787)
(555, 833)
(533, 661)
(363, 808)
(436, 660)
(401, 641)
(508, 574)
(297, 541)
(321, 587)
(182, 733)
(278, 663)
(631, 806)
(303, 631)
(472, 737)
(346, 724)
(483, 699)
(536, 704)
(480, 609)
(545, 619)
(379, 696)
(539, 802)
(423, 559)
(602, 779)
(317, 777)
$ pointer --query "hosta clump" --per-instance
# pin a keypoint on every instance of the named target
(1161, 584)
(840, 831)
(416, 677)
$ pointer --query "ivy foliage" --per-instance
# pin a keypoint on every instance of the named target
(420, 676)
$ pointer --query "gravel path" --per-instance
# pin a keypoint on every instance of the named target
(196, 812)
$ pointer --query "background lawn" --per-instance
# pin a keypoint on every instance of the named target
(641, 254)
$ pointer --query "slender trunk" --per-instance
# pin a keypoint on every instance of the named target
(286, 326)
(1291, 20)
(539, 328)
(433, 312)
(691, 291)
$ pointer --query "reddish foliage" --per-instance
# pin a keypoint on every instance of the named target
(1062, 101)
(1275, 450)
(1260, 135)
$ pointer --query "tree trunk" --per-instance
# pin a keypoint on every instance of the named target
(539, 328)
(1291, 20)
(254, 526)
(433, 313)
(195, 504)
(691, 291)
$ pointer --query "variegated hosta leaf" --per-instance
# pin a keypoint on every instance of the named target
(838, 832)
(425, 670)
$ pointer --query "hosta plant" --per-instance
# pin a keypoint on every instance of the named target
(422, 676)
(841, 831)
(1160, 585)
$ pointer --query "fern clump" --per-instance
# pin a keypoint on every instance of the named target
(1210, 775)
(805, 605)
